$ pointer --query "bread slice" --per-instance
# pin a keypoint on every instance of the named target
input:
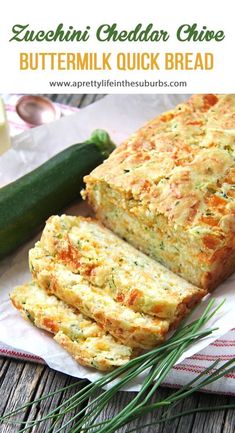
(123, 273)
(170, 189)
(129, 327)
(86, 341)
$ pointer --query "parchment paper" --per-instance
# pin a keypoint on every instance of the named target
(120, 115)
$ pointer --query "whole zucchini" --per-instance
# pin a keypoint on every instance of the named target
(26, 203)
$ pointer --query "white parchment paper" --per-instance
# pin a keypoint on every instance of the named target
(120, 115)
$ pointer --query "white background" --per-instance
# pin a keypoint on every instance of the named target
(169, 15)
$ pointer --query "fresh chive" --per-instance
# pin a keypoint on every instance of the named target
(156, 363)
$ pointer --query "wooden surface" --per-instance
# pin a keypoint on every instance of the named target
(21, 382)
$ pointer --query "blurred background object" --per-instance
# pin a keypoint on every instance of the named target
(66, 104)
(5, 141)
(17, 124)
(37, 110)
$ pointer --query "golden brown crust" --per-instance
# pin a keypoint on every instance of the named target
(179, 167)
(84, 339)
(223, 268)
(129, 327)
(122, 272)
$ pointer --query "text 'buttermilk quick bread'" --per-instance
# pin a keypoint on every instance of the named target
(134, 298)
(170, 189)
(81, 337)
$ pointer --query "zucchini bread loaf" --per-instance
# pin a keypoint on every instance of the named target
(131, 296)
(86, 341)
(170, 189)
(121, 271)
